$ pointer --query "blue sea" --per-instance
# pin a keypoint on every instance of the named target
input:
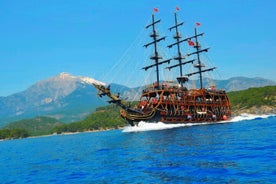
(242, 150)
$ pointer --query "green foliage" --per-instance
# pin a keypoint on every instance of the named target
(36, 126)
(13, 134)
(107, 117)
(253, 97)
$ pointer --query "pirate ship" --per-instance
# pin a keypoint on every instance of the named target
(172, 102)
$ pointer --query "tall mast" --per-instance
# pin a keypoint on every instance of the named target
(181, 79)
(199, 65)
(177, 37)
(156, 57)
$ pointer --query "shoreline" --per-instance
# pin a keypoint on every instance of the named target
(265, 115)
(261, 110)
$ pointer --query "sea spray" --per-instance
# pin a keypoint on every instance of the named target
(245, 116)
(147, 126)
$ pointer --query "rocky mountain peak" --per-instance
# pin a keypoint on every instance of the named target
(59, 86)
(64, 75)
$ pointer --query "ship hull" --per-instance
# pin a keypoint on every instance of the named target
(175, 106)
(196, 118)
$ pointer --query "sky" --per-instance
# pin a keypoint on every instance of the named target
(40, 39)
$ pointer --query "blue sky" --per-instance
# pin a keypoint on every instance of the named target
(40, 39)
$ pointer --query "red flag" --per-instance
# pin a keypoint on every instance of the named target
(191, 43)
(177, 8)
(155, 9)
(198, 24)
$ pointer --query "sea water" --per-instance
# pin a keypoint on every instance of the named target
(242, 150)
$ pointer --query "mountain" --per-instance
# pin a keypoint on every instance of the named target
(235, 83)
(242, 83)
(65, 97)
(232, 84)
(72, 98)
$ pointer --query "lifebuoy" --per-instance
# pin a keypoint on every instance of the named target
(224, 117)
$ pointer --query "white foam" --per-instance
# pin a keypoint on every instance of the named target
(147, 126)
(244, 117)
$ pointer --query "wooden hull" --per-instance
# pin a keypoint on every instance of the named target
(174, 119)
(173, 106)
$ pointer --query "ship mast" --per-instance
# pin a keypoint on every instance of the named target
(181, 79)
(156, 57)
(199, 64)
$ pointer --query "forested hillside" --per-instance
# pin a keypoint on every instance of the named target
(35, 126)
(107, 117)
(262, 100)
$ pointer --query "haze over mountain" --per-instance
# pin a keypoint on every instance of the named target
(71, 98)
(240, 83)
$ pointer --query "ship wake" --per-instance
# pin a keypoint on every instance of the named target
(147, 126)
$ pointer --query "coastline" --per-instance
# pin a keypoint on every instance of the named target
(108, 129)
(254, 111)
(62, 134)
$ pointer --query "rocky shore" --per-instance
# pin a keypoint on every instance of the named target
(259, 110)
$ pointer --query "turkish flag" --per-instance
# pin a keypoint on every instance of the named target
(191, 43)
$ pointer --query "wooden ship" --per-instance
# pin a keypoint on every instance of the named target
(169, 102)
